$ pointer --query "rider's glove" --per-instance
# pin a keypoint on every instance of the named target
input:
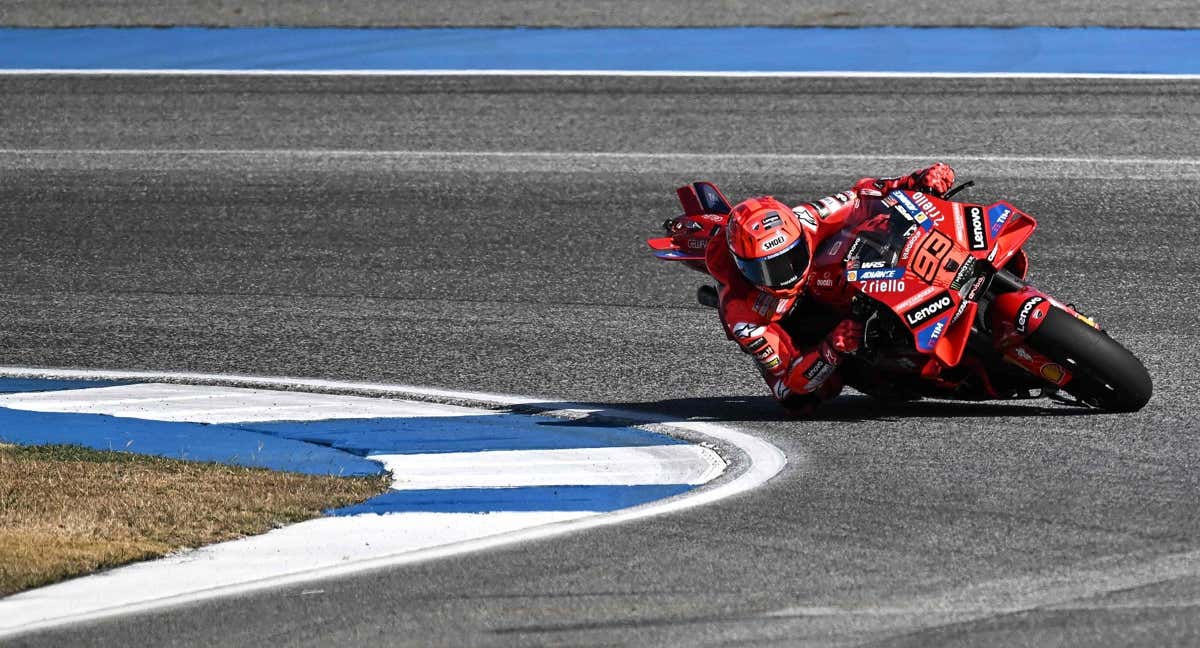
(846, 337)
(937, 179)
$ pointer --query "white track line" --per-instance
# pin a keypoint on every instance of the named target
(716, 156)
(738, 74)
(764, 462)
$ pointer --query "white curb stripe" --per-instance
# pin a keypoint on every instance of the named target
(40, 609)
(559, 157)
(630, 466)
(204, 404)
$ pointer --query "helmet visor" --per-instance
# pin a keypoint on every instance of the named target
(783, 269)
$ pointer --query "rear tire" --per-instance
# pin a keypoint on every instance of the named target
(1104, 373)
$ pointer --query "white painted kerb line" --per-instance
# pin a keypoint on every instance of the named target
(593, 155)
(665, 464)
(214, 404)
(46, 607)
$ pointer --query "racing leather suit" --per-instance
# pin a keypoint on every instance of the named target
(800, 377)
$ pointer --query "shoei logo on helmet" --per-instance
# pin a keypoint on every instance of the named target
(774, 243)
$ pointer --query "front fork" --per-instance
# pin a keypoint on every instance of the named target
(1016, 311)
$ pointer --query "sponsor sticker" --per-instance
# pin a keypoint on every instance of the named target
(806, 219)
(771, 221)
(977, 287)
(764, 353)
(998, 215)
(935, 215)
(959, 231)
(905, 203)
(912, 237)
(764, 304)
(884, 286)
(872, 275)
(1023, 315)
(929, 309)
(747, 330)
(1053, 372)
(817, 374)
(964, 273)
(781, 390)
(962, 307)
(757, 344)
(927, 338)
(976, 229)
(773, 363)
(855, 249)
(773, 243)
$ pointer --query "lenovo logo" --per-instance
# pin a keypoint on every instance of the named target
(931, 308)
(1023, 314)
(976, 228)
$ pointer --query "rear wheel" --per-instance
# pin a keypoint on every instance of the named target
(1104, 373)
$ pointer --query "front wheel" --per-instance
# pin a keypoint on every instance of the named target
(1104, 373)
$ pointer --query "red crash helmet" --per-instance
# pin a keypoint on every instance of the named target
(769, 246)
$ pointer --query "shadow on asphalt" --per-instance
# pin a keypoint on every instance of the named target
(842, 409)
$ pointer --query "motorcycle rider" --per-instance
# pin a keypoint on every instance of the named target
(762, 259)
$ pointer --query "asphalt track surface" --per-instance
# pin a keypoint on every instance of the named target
(601, 13)
(286, 226)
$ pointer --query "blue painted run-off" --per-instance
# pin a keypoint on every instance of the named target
(765, 49)
(25, 385)
(526, 498)
(339, 447)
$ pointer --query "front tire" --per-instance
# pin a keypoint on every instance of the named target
(1104, 373)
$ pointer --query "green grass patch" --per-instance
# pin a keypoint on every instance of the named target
(67, 510)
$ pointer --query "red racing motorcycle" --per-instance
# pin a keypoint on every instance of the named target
(940, 287)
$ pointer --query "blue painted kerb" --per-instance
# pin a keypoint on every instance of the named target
(340, 447)
(726, 49)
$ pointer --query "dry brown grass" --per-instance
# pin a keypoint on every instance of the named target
(67, 511)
